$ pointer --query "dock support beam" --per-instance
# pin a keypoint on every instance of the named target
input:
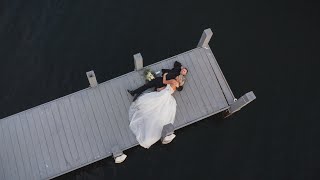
(118, 155)
(92, 79)
(240, 103)
(138, 62)
(205, 38)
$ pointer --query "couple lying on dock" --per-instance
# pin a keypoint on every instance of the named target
(150, 112)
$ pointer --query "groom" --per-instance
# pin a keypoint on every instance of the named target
(177, 70)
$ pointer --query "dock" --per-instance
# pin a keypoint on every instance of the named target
(86, 126)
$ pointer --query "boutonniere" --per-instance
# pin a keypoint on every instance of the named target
(148, 74)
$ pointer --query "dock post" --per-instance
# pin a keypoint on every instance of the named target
(205, 38)
(138, 62)
(118, 155)
(92, 79)
(240, 103)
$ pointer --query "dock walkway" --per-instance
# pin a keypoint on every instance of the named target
(78, 129)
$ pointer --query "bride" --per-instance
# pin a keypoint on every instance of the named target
(151, 111)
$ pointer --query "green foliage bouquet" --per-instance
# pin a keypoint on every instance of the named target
(148, 74)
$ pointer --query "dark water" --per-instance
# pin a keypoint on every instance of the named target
(269, 47)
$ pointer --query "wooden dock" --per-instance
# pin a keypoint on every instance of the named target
(83, 127)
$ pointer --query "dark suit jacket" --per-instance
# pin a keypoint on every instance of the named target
(173, 73)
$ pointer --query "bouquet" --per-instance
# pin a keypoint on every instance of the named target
(148, 74)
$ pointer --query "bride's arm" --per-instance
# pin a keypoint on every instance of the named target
(165, 81)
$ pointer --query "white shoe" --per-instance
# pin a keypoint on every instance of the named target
(168, 139)
(120, 159)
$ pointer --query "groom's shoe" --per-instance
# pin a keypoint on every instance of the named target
(136, 97)
(130, 92)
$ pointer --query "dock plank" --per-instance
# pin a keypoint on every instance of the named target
(222, 81)
(203, 92)
(36, 145)
(69, 135)
(16, 148)
(116, 111)
(12, 161)
(55, 138)
(119, 138)
(93, 122)
(201, 79)
(60, 130)
(197, 91)
(188, 94)
(123, 85)
(74, 100)
(218, 94)
(42, 141)
(122, 113)
(25, 132)
(24, 151)
(105, 120)
(88, 127)
(74, 130)
(48, 138)
(4, 155)
(207, 79)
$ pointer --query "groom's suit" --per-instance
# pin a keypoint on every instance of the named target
(157, 82)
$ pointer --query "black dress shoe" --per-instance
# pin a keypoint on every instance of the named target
(136, 97)
(130, 92)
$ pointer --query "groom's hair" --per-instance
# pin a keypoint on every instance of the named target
(179, 88)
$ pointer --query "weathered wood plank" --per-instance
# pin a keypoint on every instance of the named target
(49, 141)
(99, 119)
(24, 151)
(88, 127)
(122, 113)
(4, 155)
(201, 87)
(116, 110)
(93, 122)
(222, 81)
(16, 147)
(2, 162)
(188, 95)
(29, 145)
(74, 130)
(212, 92)
(69, 135)
(62, 135)
(55, 138)
(201, 78)
(195, 88)
(220, 99)
(122, 85)
(74, 100)
(119, 137)
(12, 161)
(36, 145)
(42, 141)
(105, 121)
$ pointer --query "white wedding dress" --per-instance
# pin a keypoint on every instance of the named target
(149, 113)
